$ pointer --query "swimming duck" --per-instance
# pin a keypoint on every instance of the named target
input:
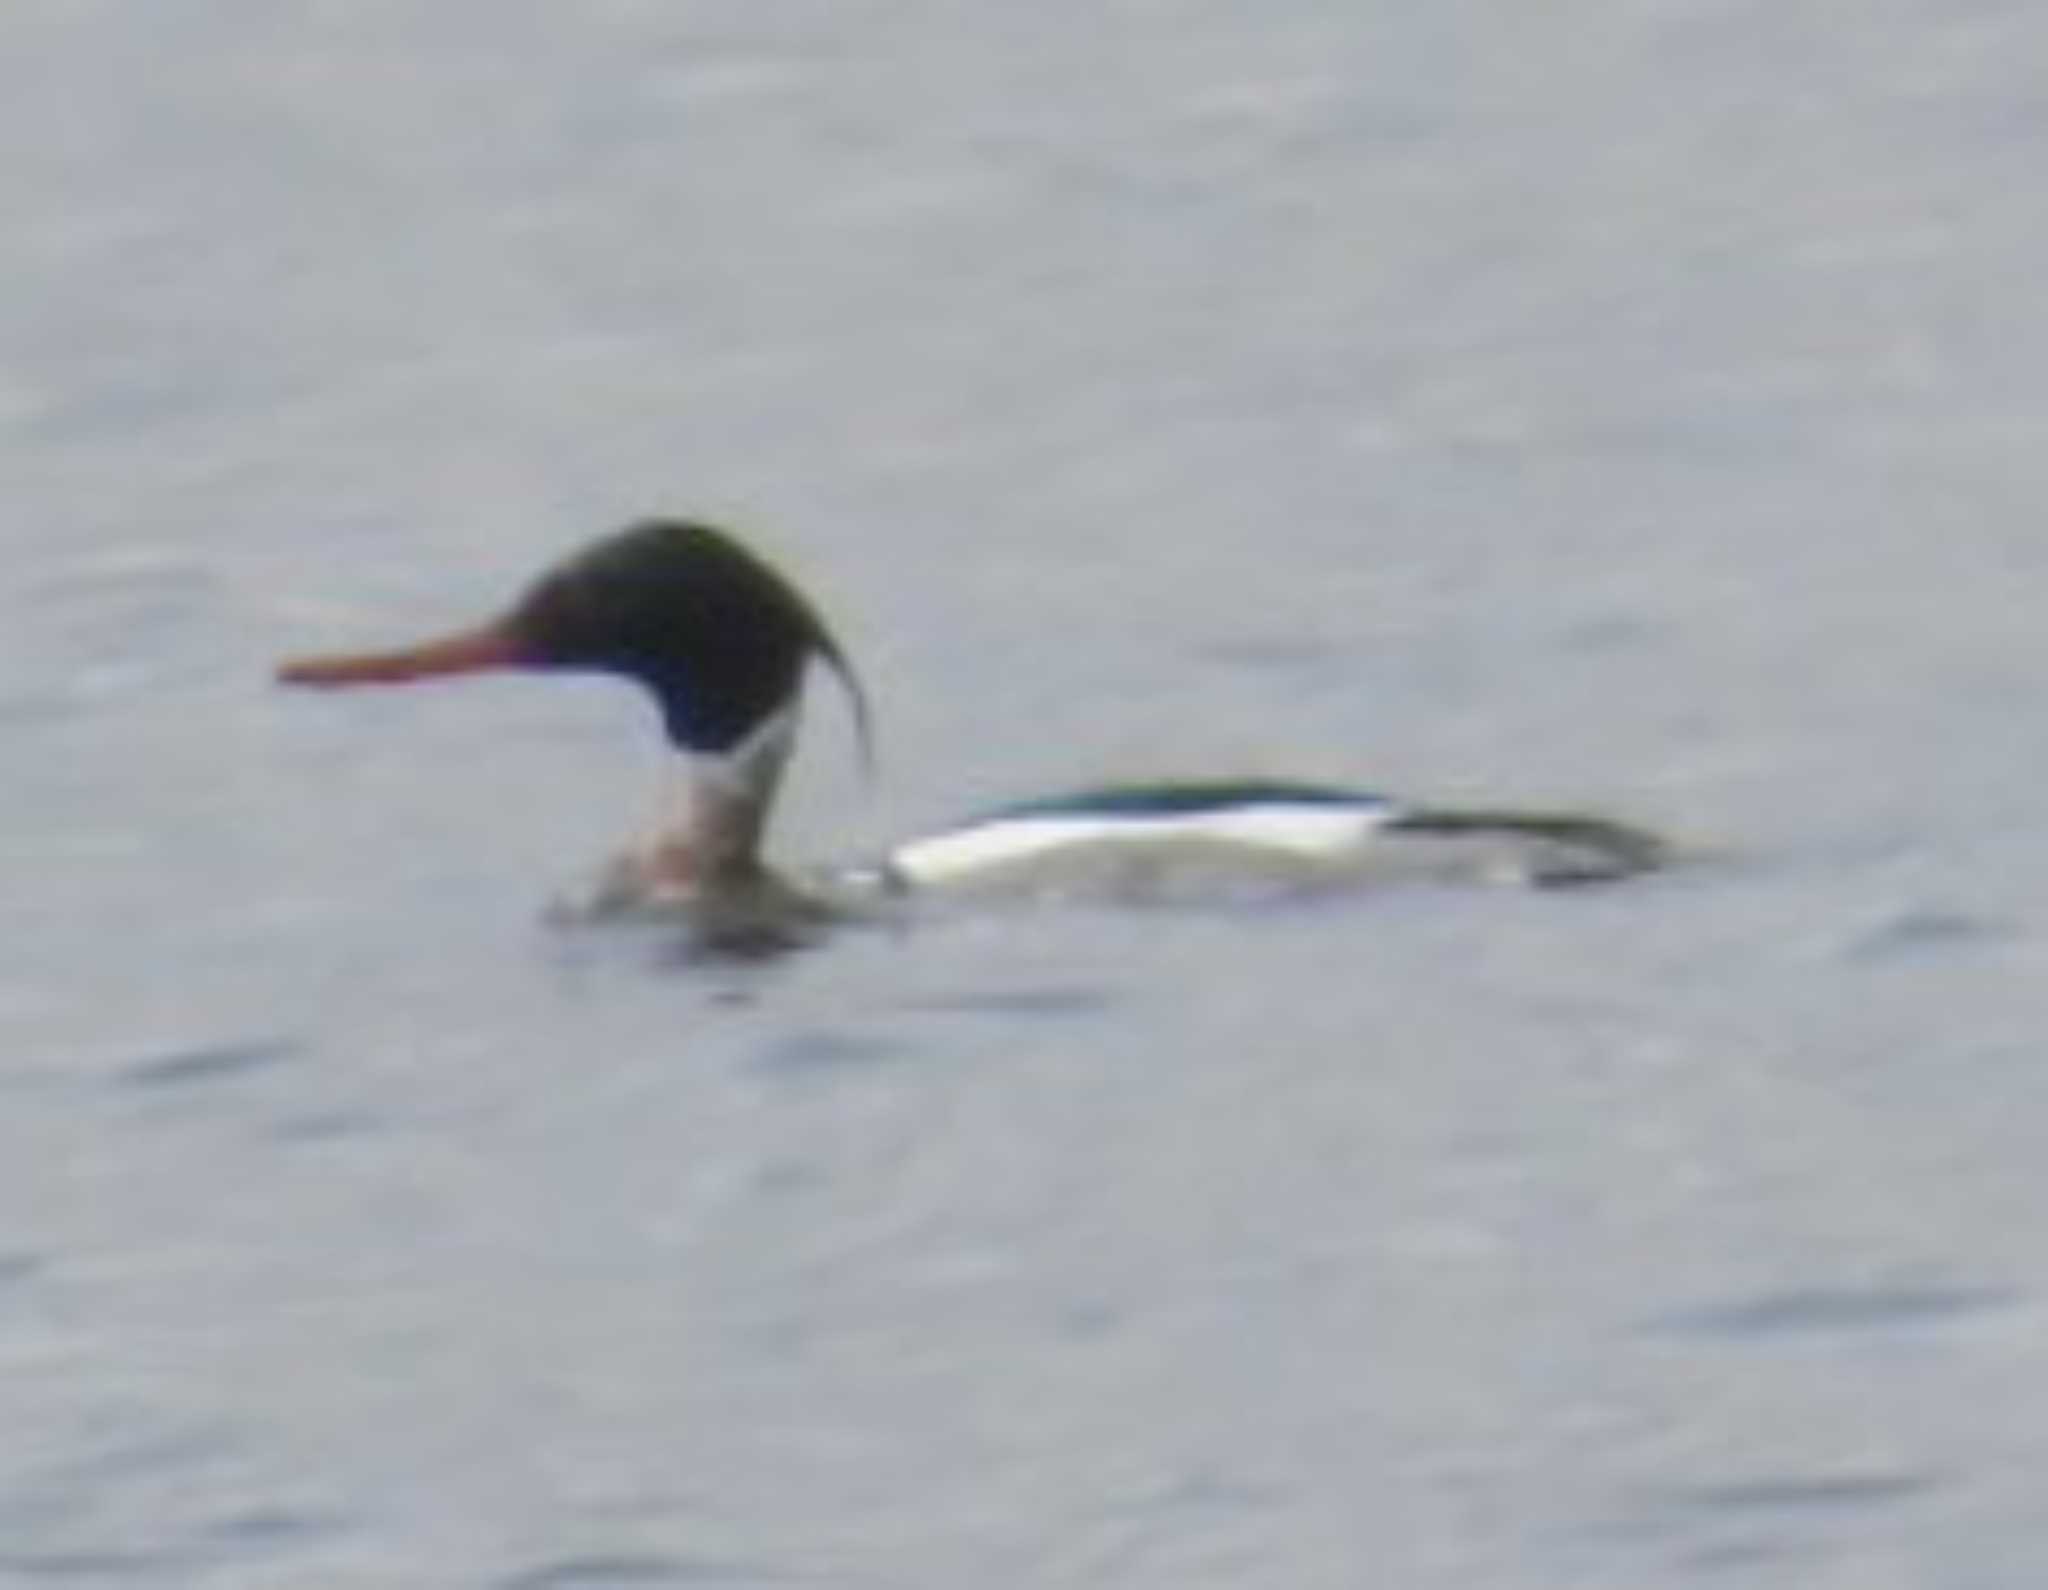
(722, 640)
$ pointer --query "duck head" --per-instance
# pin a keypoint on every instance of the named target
(717, 637)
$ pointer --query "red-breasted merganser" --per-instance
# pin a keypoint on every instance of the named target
(721, 640)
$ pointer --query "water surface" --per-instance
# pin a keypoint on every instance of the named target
(1632, 404)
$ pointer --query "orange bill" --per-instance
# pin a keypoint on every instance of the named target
(470, 651)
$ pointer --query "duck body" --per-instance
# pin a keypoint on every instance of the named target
(720, 640)
(1257, 836)
(1147, 841)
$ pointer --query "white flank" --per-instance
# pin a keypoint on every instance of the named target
(1310, 831)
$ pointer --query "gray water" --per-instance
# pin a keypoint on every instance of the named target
(1623, 403)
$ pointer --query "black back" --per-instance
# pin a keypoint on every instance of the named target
(718, 636)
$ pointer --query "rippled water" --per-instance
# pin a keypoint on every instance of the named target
(1627, 404)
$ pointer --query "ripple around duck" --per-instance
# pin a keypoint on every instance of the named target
(620, 1573)
(823, 1050)
(1051, 1002)
(17, 1269)
(1929, 931)
(1804, 1310)
(269, 1529)
(93, 1567)
(206, 1063)
(1802, 1493)
(324, 1126)
(1744, 1523)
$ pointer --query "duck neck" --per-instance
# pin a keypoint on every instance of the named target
(711, 837)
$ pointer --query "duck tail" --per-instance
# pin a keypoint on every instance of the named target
(1557, 849)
